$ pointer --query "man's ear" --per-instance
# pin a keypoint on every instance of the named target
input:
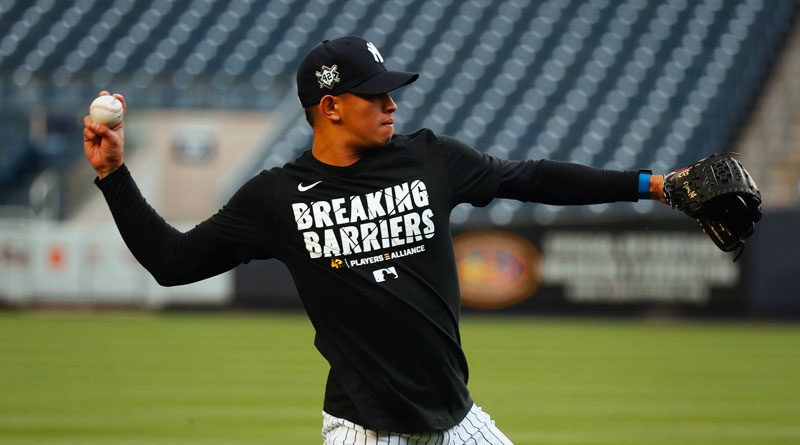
(330, 107)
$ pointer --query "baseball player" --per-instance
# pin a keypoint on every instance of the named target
(362, 222)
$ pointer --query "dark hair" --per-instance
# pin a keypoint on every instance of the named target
(310, 115)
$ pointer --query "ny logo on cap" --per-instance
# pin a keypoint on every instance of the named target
(375, 54)
(327, 76)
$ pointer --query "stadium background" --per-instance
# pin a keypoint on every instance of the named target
(210, 88)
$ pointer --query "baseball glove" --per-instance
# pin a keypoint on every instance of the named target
(719, 193)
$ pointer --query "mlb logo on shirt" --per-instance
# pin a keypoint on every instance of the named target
(382, 275)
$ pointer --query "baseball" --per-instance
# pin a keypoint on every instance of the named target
(106, 110)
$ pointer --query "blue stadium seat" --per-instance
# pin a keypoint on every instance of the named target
(620, 84)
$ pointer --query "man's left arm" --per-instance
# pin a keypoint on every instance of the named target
(564, 183)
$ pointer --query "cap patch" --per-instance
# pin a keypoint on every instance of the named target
(327, 76)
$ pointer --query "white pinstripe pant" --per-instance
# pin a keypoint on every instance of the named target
(477, 428)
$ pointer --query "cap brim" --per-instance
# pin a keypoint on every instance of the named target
(384, 82)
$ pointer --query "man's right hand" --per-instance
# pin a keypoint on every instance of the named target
(104, 146)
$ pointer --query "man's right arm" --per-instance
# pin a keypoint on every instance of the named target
(171, 256)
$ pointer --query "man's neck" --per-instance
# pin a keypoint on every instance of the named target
(334, 151)
(337, 158)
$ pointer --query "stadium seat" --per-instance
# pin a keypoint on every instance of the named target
(624, 84)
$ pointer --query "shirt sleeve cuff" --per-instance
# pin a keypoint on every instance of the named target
(112, 178)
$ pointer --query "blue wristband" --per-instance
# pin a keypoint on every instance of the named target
(644, 185)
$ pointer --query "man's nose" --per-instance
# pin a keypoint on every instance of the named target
(388, 104)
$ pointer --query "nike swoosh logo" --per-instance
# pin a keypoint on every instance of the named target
(303, 188)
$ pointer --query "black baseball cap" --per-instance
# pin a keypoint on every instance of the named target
(347, 64)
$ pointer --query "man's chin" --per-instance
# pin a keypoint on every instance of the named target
(388, 132)
(378, 144)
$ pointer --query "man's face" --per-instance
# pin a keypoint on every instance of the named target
(367, 120)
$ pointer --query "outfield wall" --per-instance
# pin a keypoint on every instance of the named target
(602, 267)
(45, 263)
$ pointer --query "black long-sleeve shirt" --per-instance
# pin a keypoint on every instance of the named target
(369, 248)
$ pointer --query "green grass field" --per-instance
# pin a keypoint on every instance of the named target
(146, 378)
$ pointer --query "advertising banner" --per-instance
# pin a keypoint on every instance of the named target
(623, 264)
